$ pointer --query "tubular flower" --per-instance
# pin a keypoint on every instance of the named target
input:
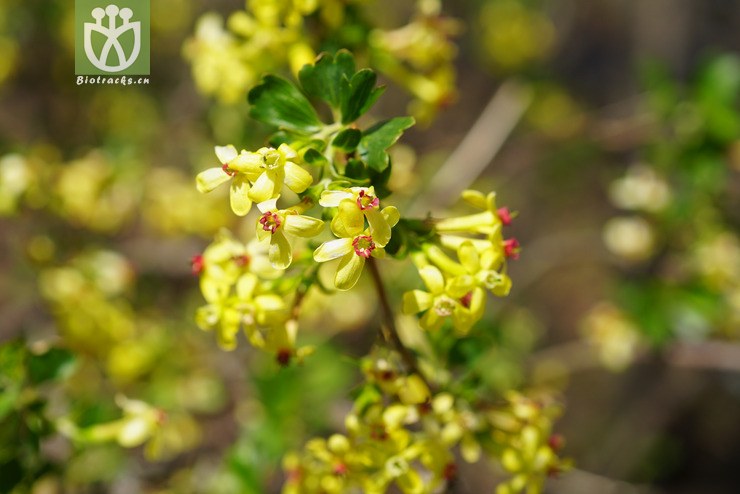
(475, 269)
(268, 169)
(354, 249)
(211, 178)
(354, 205)
(232, 307)
(276, 223)
(440, 303)
(487, 222)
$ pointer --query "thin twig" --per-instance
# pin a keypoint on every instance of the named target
(390, 332)
(479, 146)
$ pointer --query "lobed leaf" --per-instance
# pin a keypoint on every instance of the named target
(380, 137)
(277, 102)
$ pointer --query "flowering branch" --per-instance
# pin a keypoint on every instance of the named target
(390, 332)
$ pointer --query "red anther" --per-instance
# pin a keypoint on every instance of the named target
(364, 245)
(556, 442)
(340, 469)
(283, 356)
(387, 375)
(377, 432)
(228, 170)
(424, 408)
(242, 260)
(270, 222)
(450, 471)
(161, 417)
(197, 264)
(511, 248)
(504, 215)
(466, 299)
(367, 201)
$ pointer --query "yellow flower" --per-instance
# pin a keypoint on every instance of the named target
(354, 205)
(354, 249)
(275, 223)
(475, 268)
(211, 178)
(231, 307)
(440, 304)
(268, 169)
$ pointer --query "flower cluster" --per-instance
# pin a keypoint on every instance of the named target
(407, 423)
(400, 434)
(456, 288)
(271, 34)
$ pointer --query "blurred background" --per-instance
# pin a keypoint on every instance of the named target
(611, 127)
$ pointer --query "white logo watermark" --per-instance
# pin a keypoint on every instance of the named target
(112, 32)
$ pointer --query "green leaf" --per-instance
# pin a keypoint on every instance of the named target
(355, 170)
(54, 364)
(380, 137)
(324, 79)
(347, 140)
(359, 94)
(278, 102)
(315, 158)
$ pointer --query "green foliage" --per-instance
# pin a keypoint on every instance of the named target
(380, 137)
(278, 102)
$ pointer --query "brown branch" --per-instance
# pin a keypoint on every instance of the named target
(390, 331)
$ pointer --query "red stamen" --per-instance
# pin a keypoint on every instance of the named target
(197, 264)
(450, 471)
(367, 201)
(283, 356)
(556, 442)
(340, 469)
(228, 170)
(504, 215)
(466, 299)
(364, 245)
(270, 222)
(511, 248)
(242, 261)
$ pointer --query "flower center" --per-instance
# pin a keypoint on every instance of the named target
(228, 170)
(364, 245)
(444, 306)
(491, 279)
(367, 201)
(270, 222)
(272, 160)
(466, 299)
(241, 261)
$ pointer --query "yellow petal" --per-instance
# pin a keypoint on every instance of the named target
(135, 431)
(239, 196)
(349, 220)
(333, 249)
(332, 198)
(249, 163)
(226, 153)
(303, 226)
(391, 215)
(211, 178)
(263, 189)
(379, 227)
(281, 253)
(296, 178)
(433, 279)
(416, 301)
(349, 271)
(468, 256)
